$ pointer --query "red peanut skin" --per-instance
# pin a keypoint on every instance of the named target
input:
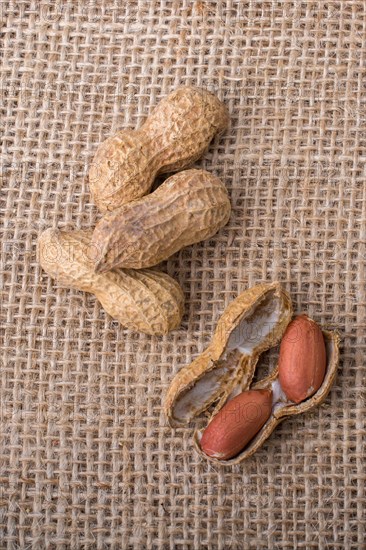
(302, 359)
(236, 424)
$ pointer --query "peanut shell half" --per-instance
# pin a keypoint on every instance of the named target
(282, 407)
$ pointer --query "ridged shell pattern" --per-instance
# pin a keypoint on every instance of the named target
(146, 301)
(187, 208)
(176, 134)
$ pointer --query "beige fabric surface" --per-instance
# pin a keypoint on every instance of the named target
(87, 459)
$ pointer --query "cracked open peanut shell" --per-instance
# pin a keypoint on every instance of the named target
(251, 324)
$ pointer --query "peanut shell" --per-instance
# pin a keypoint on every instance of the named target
(175, 135)
(144, 301)
(188, 207)
(226, 368)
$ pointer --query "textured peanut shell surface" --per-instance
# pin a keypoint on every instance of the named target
(283, 408)
(252, 323)
(144, 301)
(188, 207)
(175, 135)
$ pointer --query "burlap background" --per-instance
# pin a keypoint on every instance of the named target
(87, 460)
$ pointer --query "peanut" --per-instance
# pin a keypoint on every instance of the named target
(175, 135)
(188, 207)
(302, 359)
(146, 301)
(236, 424)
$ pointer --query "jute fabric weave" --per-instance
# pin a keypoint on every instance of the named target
(87, 459)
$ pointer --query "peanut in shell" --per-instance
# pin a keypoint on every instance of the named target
(145, 301)
(302, 359)
(236, 424)
(187, 208)
(174, 136)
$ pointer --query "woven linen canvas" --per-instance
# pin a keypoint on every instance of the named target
(87, 459)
